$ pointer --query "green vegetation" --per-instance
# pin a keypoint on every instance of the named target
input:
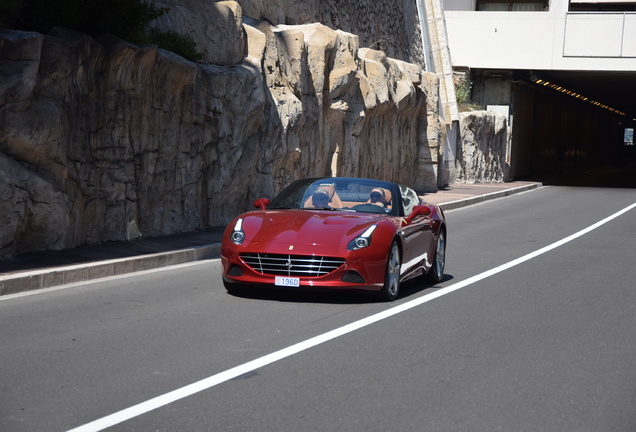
(126, 19)
(463, 87)
(173, 41)
(9, 11)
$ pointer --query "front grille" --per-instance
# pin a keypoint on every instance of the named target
(292, 265)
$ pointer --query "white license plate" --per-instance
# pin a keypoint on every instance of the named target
(287, 281)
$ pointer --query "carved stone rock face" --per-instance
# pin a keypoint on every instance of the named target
(102, 140)
(481, 155)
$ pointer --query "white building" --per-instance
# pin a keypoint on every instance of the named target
(514, 34)
(574, 60)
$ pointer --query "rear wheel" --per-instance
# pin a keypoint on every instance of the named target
(436, 273)
(392, 277)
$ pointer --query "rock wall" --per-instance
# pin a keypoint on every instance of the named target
(392, 27)
(215, 26)
(482, 153)
(101, 140)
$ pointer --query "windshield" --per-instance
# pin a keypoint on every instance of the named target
(338, 194)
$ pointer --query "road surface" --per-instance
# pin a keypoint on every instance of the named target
(533, 328)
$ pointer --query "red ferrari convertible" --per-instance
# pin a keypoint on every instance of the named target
(336, 233)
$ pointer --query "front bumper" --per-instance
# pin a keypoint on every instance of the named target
(358, 272)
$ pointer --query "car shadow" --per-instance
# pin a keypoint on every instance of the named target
(289, 295)
(326, 296)
(417, 285)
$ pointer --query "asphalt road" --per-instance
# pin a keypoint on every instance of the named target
(545, 344)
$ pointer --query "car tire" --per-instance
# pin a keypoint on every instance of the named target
(391, 286)
(436, 273)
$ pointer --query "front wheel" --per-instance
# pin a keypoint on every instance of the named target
(436, 273)
(391, 286)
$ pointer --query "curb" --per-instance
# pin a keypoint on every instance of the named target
(53, 277)
(452, 205)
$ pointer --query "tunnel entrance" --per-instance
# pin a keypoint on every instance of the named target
(577, 132)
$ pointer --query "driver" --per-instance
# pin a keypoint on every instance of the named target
(320, 198)
(377, 197)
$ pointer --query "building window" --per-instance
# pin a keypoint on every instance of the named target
(507, 5)
(628, 139)
(602, 6)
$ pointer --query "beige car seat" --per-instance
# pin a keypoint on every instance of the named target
(330, 189)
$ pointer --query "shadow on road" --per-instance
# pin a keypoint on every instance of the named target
(619, 175)
(325, 296)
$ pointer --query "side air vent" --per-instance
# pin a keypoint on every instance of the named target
(353, 277)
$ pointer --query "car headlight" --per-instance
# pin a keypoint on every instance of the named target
(238, 235)
(363, 240)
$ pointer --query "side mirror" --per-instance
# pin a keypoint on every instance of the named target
(419, 210)
(261, 203)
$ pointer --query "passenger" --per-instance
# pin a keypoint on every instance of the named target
(377, 197)
(320, 198)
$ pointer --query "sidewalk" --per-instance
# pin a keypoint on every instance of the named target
(49, 269)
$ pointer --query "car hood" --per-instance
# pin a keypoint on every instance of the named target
(281, 231)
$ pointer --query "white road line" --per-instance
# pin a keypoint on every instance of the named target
(207, 383)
